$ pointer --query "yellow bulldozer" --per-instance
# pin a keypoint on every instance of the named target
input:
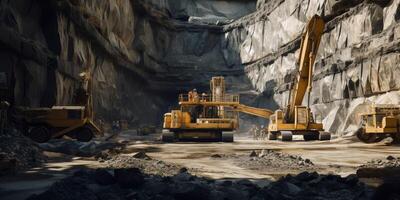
(43, 124)
(207, 117)
(297, 119)
(381, 121)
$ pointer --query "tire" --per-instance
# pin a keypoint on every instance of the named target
(40, 134)
(286, 136)
(167, 136)
(396, 138)
(227, 137)
(71, 135)
(380, 137)
(323, 136)
(84, 134)
(310, 136)
(272, 136)
(366, 137)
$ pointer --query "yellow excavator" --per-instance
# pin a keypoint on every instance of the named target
(43, 124)
(297, 119)
(379, 122)
(207, 117)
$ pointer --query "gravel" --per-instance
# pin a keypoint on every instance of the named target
(144, 162)
(389, 161)
(19, 151)
(77, 148)
(268, 160)
(388, 168)
(133, 184)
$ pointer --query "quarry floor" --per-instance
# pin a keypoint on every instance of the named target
(339, 156)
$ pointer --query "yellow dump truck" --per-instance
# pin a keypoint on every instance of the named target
(43, 124)
(381, 121)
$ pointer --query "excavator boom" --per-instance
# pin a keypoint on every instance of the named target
(298, 119)
(259, 112)
(308, 50)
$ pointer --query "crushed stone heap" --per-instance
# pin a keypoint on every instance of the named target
(18, 152)
(131, 183)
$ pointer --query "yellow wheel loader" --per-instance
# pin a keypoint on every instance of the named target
(207, 117)
(380, 122)
(297, 119)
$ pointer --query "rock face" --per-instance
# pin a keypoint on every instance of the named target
(355, 65)
(126, 44)
(142, 53)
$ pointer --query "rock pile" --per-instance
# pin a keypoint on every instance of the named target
(76, 148)
(142, 155)
(133, 184)
(381, 168)
(269, 160)
(390, 161)
(18, 152)
(144, 162)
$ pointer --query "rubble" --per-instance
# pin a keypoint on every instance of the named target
(18, 152)
(131, 183)
(150, 166)
(103, 177)
(253, 154)
(142, 155)
(390, 161)
(129, 177)
(84, 149)
(389, 189)
(380, 168)
(216, 156)
(269, 160)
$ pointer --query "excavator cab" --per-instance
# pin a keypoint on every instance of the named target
(301, 116)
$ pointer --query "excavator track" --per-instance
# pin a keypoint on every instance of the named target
(287, 135)
(190, 136)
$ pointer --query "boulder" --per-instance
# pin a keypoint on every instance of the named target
(129, 178)
(103, 177)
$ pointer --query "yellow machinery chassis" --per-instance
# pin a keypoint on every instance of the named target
(197, 135)
(373, 135)
(312, 131)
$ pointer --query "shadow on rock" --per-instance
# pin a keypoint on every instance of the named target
(133, 184)
(76, 148)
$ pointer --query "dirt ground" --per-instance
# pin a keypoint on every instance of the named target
(338, 156)
(216, 160)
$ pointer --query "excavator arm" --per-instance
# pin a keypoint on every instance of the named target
(259, 112)
(308, 50)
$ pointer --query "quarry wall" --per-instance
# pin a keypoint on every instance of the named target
(356, 64)
(143, 53)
